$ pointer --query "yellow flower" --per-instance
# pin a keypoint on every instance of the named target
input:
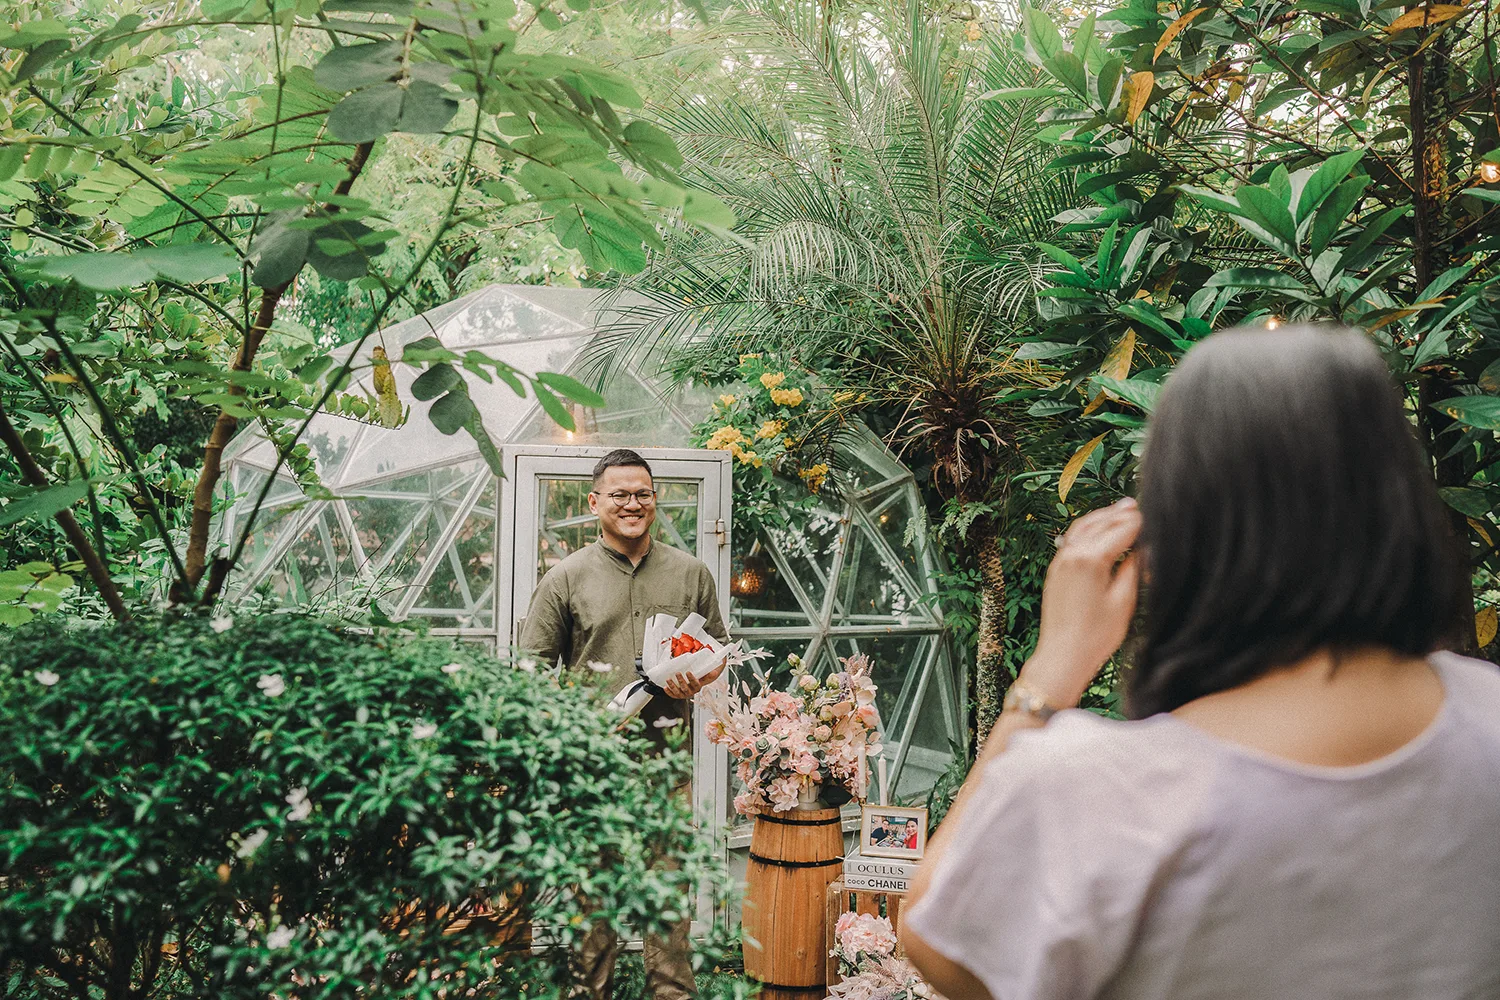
(772, 379)
(786, 397)
(789, 442)
(750, 458)
(972, 31)
(814, 475)
(747, 357)
(726, 400)
(725, 438)
(769, 429)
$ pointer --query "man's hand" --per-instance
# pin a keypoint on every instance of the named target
(685, 685)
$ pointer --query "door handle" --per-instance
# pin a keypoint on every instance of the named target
(720, 533)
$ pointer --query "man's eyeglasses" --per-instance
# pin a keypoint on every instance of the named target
(646, 498)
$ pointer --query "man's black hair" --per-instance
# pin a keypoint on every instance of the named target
(1287, 508)
(621, 458)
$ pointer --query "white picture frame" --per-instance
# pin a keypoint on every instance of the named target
(887, 832)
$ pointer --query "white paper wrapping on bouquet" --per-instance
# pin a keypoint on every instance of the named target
(659, 665)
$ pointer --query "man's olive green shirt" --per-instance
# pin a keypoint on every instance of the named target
(593, 607)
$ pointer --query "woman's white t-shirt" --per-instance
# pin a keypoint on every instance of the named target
(1149, 860)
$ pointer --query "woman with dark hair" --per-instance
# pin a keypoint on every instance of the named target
(1304, 804)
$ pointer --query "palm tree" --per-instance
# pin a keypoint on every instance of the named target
(887, 204)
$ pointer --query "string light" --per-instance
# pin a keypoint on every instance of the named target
(1489, 172)
(1273, 322)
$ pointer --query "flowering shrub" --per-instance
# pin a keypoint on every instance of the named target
(265, 806)
(865, 946)
(785, 741)
(778, 427)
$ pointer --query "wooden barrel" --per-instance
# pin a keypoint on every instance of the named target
(794, 858)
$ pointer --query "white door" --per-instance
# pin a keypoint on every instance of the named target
(546, 504)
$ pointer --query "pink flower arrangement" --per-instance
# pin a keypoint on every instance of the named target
(782, 742)
(865, 946)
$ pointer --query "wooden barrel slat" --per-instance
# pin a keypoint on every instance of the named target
(791, 866)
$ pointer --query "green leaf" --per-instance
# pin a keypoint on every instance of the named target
(482, 440)
(1068, 69)
(190, 263)
(1255, 277)
(1041, 34)
(1325, 181)
(1062, 257)
(453, 411)
(1137, 392)
(647, 140)
(1473, 411)
(43, 503)
(1041, 351)
(1332, 213)
(41, 57)
(102, 272)
(1474, 503)
(555, 409)
(1019, 94)
(368, 114)
(435, 381)
(426, 108)
(350, 67)
(282, 251)
(1264, 207)
(342, 249)
(14, 614)
(571, 388)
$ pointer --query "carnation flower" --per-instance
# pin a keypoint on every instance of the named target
(46, 678)
(220, 625)
(422, 730)
(271, 685)
(452, 668)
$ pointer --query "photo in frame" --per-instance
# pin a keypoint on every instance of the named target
(893, 832)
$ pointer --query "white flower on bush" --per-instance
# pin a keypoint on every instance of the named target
(526, 665)
(271, 685)
(221, 625)
(300, 803)
(423, 730)
(600, 667)
(249, 845)
(46, 678)
(281, 937)
(666, 722)
(452, 668)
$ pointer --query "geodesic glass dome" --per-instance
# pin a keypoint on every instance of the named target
(416, 522)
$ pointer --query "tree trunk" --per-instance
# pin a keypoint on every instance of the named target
(991, 679)
(1432, 243)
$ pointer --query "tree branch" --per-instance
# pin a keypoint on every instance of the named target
(34, 475)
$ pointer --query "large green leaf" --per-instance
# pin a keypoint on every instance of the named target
(571, 388)
(1473, 411)
(102, 272)
(452, 411)
(435, 381)
(368, 114)
(646, 141)
(350, 67)
(43, 503)
(190, 263)
(426, 108)
(1324, 181)
(282, 251)
(1137, 392)
(1269, 210)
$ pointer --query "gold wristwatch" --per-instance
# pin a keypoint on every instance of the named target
(1021, 698)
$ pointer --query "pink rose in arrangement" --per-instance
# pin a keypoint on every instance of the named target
(863, 935)
(782, 742)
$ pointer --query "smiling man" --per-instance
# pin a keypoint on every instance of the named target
(590, 610)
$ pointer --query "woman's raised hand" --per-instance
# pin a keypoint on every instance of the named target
(1087, 603)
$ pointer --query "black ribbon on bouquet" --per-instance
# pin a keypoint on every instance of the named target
(643, 684)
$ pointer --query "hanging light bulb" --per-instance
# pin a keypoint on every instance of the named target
(1489, 172)
(1273, 322)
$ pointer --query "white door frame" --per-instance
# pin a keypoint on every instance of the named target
(516, 577)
